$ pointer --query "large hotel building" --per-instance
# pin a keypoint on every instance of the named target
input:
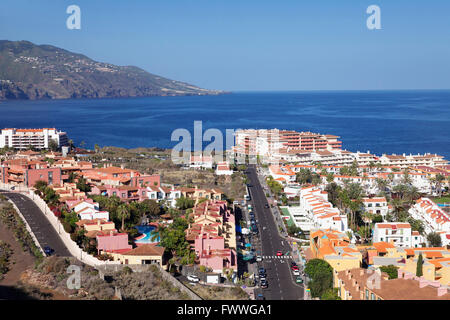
(266, 142)
(37, 138)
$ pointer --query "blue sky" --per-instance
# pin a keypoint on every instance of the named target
(252, 45)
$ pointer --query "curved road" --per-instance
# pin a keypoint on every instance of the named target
(36, 219)
(279, 275)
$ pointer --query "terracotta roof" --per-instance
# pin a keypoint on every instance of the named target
(146, 250)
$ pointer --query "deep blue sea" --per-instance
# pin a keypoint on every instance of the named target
(378, 121)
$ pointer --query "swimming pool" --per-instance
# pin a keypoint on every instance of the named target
(147, 234)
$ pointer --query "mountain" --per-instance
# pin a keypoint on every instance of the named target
(29, 71)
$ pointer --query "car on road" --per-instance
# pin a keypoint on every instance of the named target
(193, 278)
(48, 251)
(298, 279)
(266, 206)
(258, 259)
(279, 253)
(264, 284)
(293, 268)
(296, 273)
(261, 271)
(252, 215)
(260, 297)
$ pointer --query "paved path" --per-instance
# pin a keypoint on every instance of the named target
(41, 227)
(279, 276)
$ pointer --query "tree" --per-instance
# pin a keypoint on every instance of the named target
(434, 239)
(419, 268)
(391, 270)
(330, 294)
(416, 225)
(82, 185)
(53, 145)
(40, 186)
(304, 176)
(123, 213)
(321, 275)
(183, 203)
(439, 179)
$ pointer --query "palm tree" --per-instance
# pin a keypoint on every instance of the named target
(439, 179)
(123, 213)
(367, 218)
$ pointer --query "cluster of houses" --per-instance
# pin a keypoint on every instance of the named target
(356, 266)
(212, 236)
(212, 233)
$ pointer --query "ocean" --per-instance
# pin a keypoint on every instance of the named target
(376, 121)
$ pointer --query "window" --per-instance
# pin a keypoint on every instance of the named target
(114, 193)
(50, 177)
(372, 296)
(123, 195)
(367, 294)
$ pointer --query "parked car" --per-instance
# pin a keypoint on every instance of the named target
(264, 284)
(260, 297)
(293, 268)
(262, 271)
(296, 273)
(259, 259)
(193, 278)
(293, 264)
(48, 251)
(298, 279)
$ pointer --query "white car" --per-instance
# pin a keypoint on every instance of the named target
(296, 273)
(193, 278)
(259, 259)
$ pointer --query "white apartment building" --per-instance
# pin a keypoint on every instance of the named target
(89, 210)
(377, 205)
(404, 161)
(37, 138)
(314, 204)
(170, 195)
(201, 162)
(397, 233)
(434, 218)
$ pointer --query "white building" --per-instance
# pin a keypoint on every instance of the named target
(223, 169)
(395, 232)
(377, 205)
(434, 218)
(89, 210)
(37, 138)
(170, 195)
(315, 206)
(201, 162)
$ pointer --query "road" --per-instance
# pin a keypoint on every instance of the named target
(279, 275)
(41, 227)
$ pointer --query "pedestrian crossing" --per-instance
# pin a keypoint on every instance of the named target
(277, 257)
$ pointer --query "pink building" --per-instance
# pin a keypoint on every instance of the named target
(125, 193)
(212, 253)
(114, 242)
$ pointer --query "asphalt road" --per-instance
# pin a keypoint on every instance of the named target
(279, 275)
(41, 227)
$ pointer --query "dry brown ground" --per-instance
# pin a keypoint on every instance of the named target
(20, 260)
